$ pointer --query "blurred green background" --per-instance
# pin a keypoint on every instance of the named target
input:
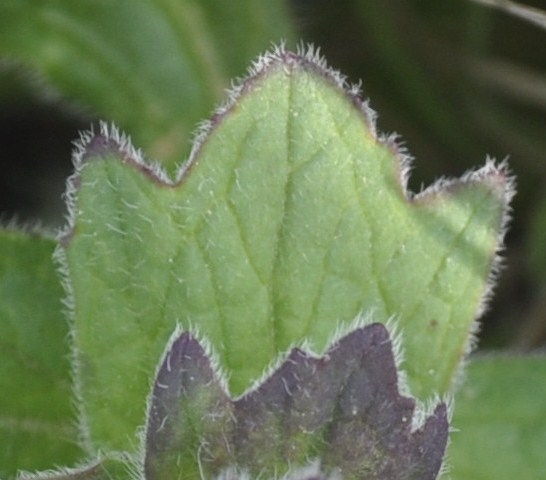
(456, 80)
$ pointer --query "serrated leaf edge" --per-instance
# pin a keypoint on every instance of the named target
(85, 470)
(307, 57)
(498, 177)
(421, 412)
(109, 135)
(423, 409)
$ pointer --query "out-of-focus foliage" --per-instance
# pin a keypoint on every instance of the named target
(37, 421)
(155, 67)
(500, 420)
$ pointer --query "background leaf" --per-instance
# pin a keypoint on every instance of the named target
(529, 14)
(500, 420)
(289, 221)
(155, 67)
(37, 425)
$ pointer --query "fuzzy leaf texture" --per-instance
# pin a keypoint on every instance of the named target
(106, 467)
(155, 67)
(290, 218)
(343, 409)
(36, 415)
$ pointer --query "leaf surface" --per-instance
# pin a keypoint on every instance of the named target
(343, 408)
(500, 420)
(155, 67)
(290, 218)
(36, 413)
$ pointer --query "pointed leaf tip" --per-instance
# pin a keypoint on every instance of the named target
(343, 408)
(190, 414)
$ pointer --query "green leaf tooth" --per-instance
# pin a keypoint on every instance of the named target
(289, 219)
(473, 188)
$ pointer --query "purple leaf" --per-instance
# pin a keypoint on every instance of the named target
(343, 409)
(189, 416)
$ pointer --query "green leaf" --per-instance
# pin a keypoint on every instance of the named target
(290, 218)
(155, 67)
(343, 409)
(36, 414)
(500, 420)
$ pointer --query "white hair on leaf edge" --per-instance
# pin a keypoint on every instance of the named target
(305, 56)
(498, 177)
(82, 428)
(88, 468)
(219, 374)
